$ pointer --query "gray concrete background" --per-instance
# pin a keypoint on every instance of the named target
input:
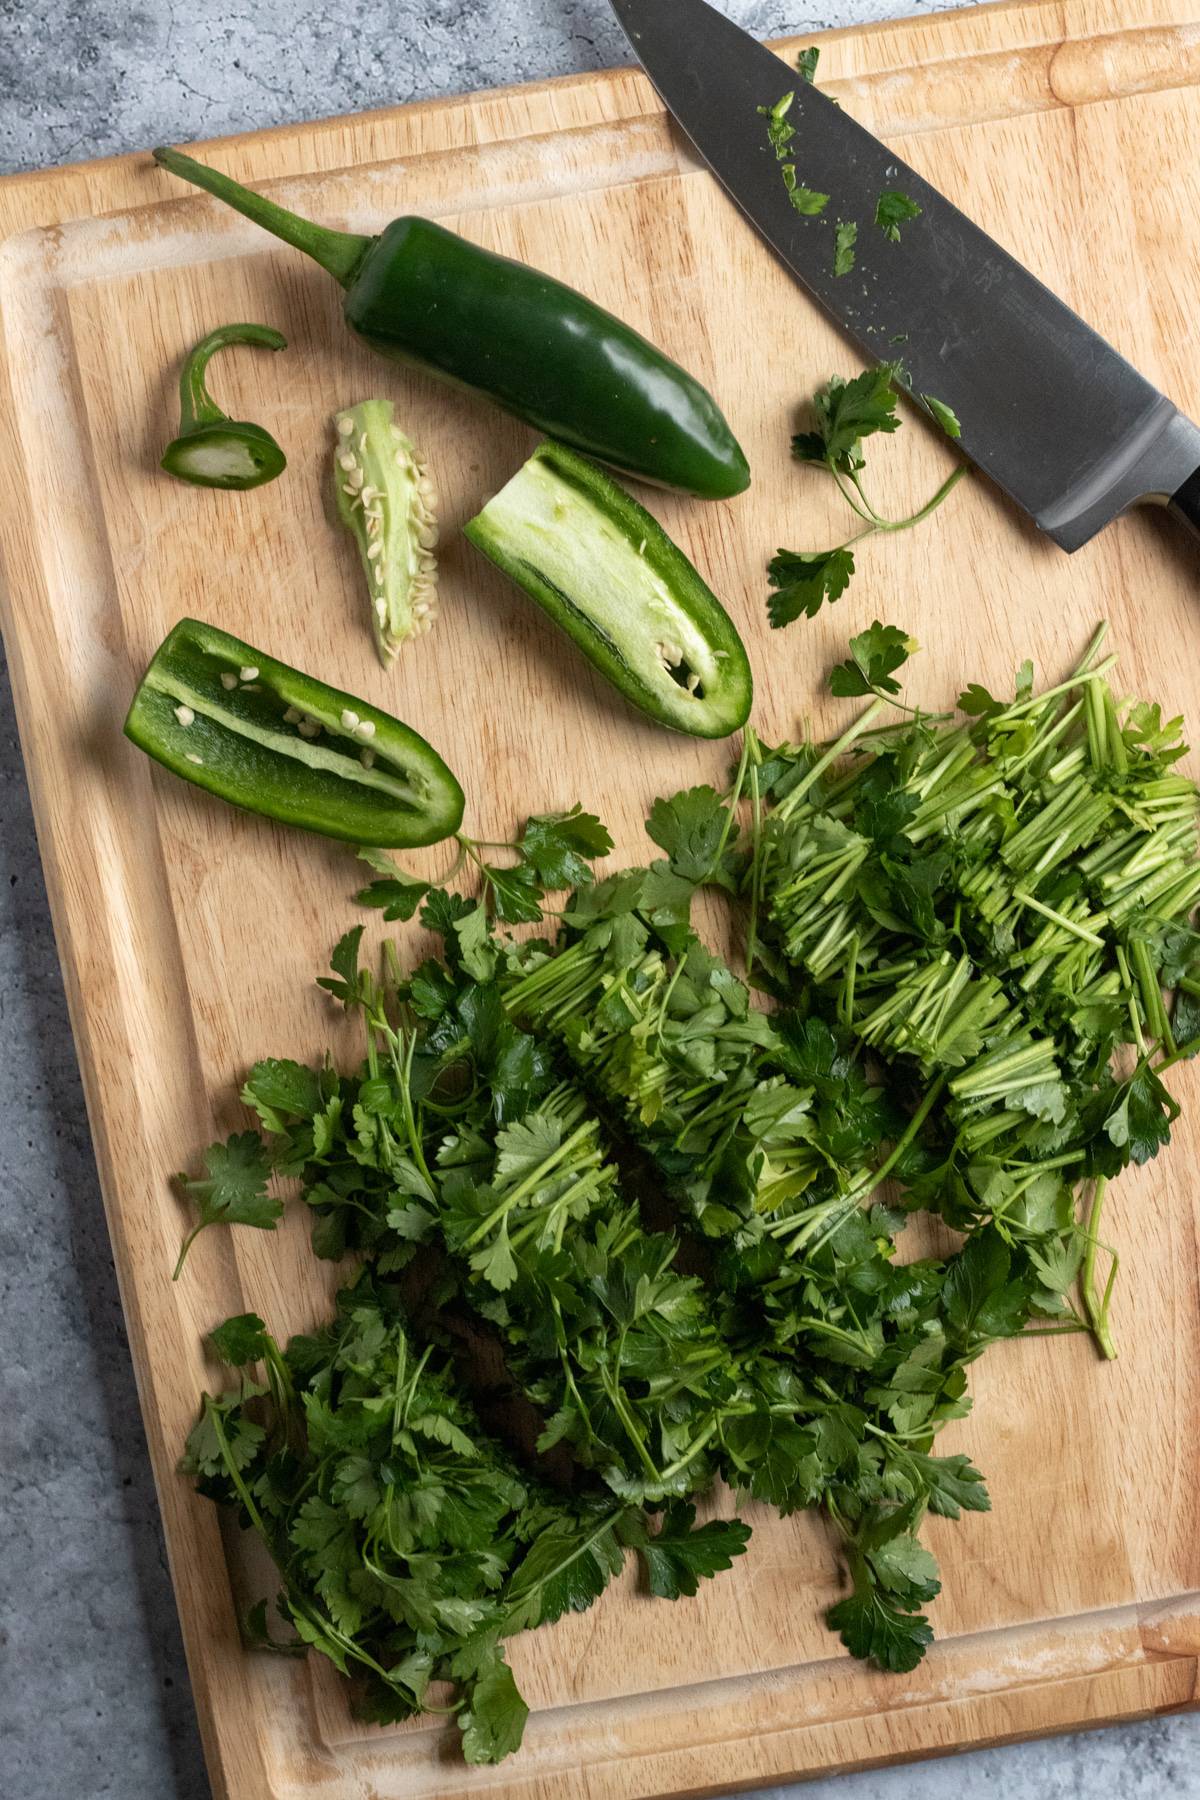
(94, 1696)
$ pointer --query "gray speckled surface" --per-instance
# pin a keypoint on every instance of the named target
(94, 1697)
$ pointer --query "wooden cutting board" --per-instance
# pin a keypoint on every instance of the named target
(190, 934)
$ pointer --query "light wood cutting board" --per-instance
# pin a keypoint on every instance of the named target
(190, 934)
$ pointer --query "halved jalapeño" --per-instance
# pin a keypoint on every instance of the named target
(607, 572)
(270, 739)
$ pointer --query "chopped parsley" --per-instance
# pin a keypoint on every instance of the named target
(892, 210)
(845, 239)
(674, 1219)
(806, 200)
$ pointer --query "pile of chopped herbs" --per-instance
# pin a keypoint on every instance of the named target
(653, 1229)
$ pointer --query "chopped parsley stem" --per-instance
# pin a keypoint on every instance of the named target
(558, 1209)
(1048, 912)
(911, 1132)
(790, 805)
(616, 1395)
(1099, 639)
(1043, 743)
(699, 1442)
(1135, 1017)
(188, 1241)
(1172, 892)
(1037, 701)
(881, 524)
(569, 1373)
(1004, 1071)
(213, 1411)
(1185, 1052)
(1098, 1305)
(756, 850)
(846, 1007)
(532, 1182)
(1151, 992)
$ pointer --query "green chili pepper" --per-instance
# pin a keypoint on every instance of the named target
(266, 737)
(419, 294)
(385, 496)
(611, 577)
(213, 450)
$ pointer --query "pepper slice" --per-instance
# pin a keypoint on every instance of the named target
(213, 450)
(607, 572)
(420, 294)
(274, 741)
(386, 499)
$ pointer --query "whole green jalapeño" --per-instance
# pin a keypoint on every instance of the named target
(422, 295)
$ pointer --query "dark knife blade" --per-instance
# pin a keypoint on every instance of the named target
(1048, 409)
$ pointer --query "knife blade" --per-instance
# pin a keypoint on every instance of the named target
(1049, 410)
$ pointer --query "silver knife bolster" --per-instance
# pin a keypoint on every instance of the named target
(1151, 466)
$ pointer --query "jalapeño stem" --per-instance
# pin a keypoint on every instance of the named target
(196, 404)
(338, 252)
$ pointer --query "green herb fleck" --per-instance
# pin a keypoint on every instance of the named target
(892, 210)
(845, 239)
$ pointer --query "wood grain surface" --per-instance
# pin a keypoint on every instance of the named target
(190, 934)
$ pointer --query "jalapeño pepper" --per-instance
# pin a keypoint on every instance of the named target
(608, 574)
(267, 738)
(419, 294)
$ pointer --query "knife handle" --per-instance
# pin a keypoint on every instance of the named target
(1185, 502)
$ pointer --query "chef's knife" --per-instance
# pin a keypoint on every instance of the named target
(1048, 409)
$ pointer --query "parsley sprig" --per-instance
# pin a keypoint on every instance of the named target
(845, 412)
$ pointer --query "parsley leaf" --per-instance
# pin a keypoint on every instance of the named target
(954, 1485)
(977, 703)
(880, 1630)
(223, 1438)
(693, 828)
(803, 582)
(875, 655)
(892, 210)
(516, 893)
(945, 415)
(846, 412)
(395, 895)
(808, 202)
(844, 241)
(234, 1190)
(493, 1722)
(348, 987)
(807, 62)
(279, 1089)
(681, 1554)
(1138, 1121)
(240, 1340)
(476, 950)
(561, 847)
(568, 1566)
